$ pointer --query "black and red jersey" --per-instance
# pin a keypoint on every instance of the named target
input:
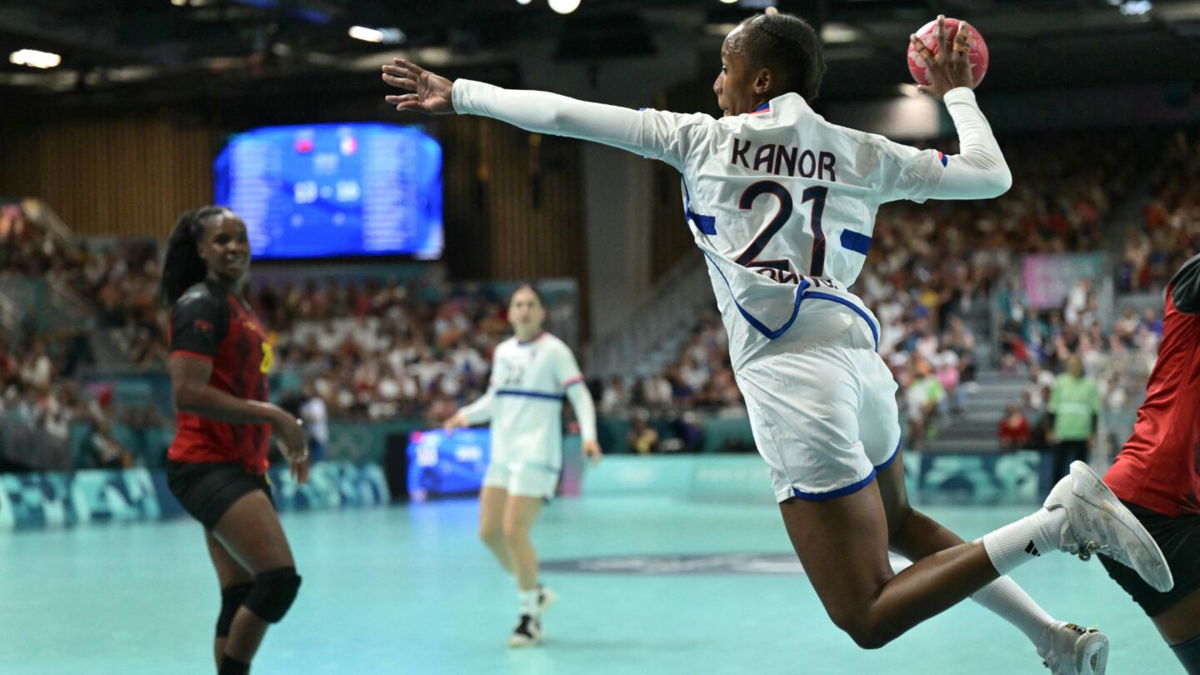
(1159, 467)
(209, 322)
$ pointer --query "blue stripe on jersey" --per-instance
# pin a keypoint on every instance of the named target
(851, 305)
(531, 394)
(758, 325)
(706, 224)
(856, 241)
(833, 494)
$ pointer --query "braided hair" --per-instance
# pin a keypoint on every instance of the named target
(182, 265)
(788, 46)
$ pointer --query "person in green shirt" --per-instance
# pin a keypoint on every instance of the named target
(1074, 411)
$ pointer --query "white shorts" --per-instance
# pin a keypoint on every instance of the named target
(824, 418)
(523, 479)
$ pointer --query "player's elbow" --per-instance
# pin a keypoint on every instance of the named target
(186, 397)
(1001, 181)
(992, 181)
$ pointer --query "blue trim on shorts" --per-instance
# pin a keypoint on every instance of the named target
(851, 305)
(531, 394)
(889, 460)
(834, 494)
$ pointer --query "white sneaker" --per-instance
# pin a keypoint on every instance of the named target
(527, 633)
(1097, 522)
(1068, 649)
(546, 598)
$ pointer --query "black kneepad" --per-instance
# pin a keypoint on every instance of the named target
(231, 598)
(1188, 654)
(273, 593)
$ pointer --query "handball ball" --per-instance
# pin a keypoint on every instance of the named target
(928, 35)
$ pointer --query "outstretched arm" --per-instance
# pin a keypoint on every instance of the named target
(430, 93)
(648, 133)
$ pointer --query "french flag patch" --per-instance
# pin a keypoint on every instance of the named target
(943, 158)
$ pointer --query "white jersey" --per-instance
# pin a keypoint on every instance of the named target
(781, 203)
(524, 399)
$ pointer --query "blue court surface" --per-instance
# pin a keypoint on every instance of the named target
(411, 590)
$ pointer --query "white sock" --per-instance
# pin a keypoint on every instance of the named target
(1024, 540)
(529, 601)
(1010, 602)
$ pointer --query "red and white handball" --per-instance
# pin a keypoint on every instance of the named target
(928, 35)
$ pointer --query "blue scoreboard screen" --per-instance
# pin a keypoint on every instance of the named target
(441, 463)
(332, 190)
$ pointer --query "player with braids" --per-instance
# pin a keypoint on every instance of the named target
(786, 45)
(781, 204)
(219, 360)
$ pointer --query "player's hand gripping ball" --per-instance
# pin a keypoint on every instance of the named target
(929, 37)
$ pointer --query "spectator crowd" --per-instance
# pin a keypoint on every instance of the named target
(376, 348)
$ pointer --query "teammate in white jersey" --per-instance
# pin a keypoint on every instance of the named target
(782, 204)
(531, 372)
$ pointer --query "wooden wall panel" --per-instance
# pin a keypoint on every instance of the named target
(127, 176)
(513, 200)
(533, 192)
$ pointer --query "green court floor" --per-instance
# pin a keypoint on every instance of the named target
(410, 590)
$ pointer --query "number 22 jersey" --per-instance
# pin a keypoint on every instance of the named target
(524, 399)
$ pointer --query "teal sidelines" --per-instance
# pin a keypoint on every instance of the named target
(49, 499)
(966, 479)
(52, 499)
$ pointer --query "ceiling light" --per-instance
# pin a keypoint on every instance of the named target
(834, 33)
(366, 34)
(34, 59)
(524, 2)
(564, 6)
(1136, 7)
(388, 36)
(179, 3)
(729, 2)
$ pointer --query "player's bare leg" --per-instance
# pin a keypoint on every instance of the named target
(1064, 647)
(843, 545)
(1180, 627)
(492, 504)
(1181, 622)
(519, 516)
(233, 579)
(250, 531)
